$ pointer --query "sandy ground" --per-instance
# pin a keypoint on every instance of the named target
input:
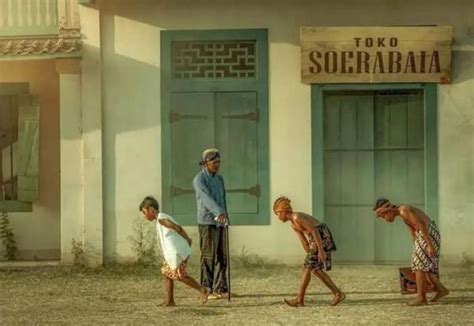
(129, 295)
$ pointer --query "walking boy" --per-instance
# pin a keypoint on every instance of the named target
(176, 249)
(426, 246)
(317, 242)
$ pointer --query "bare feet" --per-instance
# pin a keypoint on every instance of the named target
(418, 302)
(205, 292)
(294, 303)
(167, 304)
(338, 298)
(444, 292)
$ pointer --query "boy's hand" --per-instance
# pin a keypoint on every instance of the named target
(431, 251)
(190, 241)
(322, 255)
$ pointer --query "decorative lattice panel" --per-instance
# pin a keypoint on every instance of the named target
(214, 59)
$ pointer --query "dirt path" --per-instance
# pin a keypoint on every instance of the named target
(131, 295)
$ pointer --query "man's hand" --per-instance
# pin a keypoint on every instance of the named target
(190, 241)
(221, 219)
(322, 255)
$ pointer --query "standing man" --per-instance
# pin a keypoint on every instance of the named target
(212, 215)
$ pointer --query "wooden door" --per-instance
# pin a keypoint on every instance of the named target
(373, 147)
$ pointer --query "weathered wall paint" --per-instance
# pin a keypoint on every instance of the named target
(131, 108)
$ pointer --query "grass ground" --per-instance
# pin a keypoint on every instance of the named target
(130, 294)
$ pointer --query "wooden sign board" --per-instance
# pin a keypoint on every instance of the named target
(376, 54)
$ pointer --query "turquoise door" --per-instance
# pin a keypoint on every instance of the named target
(214, 93)
(399, 166)
(192, 129)
(228, 121)
(373, 146)
(237, 121)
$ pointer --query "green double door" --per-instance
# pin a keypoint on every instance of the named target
(373, 147)
(228, 121)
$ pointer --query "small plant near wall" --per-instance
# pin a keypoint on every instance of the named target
(77, 252)
(8, 237)
(144, 242)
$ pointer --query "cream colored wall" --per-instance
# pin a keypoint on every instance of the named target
(72, 158)
(456, 159)
(131, 107)
(92, 135)
(38, 233)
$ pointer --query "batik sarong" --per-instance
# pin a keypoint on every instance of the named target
(326, 237)
(421, 261)
(312, 260)
(178, 273)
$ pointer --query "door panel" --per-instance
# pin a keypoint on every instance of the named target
(398, 176)
(236, 138)
(399, 167)
(382, 122)
(349, 185)
(415, 120)
(332, 177)
(331, 123)
(365, 122)
(228, 121)
(192, 130)
(349, 175)
(366, 234)
(349, 231)
(416, 177)
(398, 121)
(348, 125)
(365, 179)
(373, 147)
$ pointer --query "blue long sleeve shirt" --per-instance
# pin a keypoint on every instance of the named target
(210, 197)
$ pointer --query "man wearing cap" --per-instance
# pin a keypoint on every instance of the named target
(211, 216)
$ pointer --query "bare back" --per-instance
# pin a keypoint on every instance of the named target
(414, 216)
(302, 222)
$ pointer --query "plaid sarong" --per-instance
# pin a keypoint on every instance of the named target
(421, 261)
(312, 260)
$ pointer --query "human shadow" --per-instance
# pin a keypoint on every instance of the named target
(270, 295)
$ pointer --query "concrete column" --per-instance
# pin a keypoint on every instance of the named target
(92, 133)
(72, 176)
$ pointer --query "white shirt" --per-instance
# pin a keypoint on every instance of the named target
(174, 247)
